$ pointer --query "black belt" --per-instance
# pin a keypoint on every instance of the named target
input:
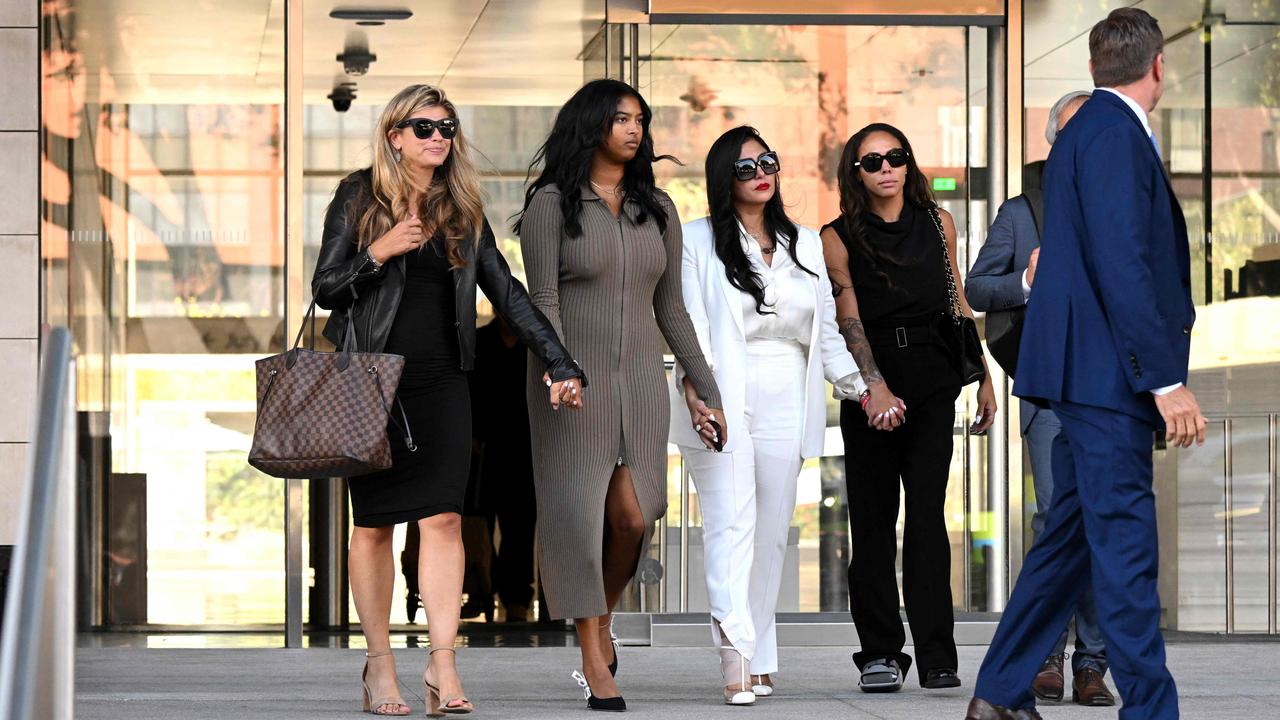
(903, 336)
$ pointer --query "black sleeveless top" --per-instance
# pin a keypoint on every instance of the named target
(910, 292)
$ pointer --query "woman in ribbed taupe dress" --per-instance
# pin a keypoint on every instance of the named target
(602, 255)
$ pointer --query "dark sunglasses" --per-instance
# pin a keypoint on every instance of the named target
(745, 169)
(872, 162)
(424, 128)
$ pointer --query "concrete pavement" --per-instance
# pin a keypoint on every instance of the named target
(1217, 679)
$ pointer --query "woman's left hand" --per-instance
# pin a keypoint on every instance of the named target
(567, 393)
(986, 407)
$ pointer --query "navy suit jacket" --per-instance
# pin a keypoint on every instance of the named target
(1110, 313)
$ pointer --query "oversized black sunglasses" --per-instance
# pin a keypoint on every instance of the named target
(424, 128)
(872, 162)
(745, 169)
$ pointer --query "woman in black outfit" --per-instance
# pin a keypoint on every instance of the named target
(405, 244)
(888, 272)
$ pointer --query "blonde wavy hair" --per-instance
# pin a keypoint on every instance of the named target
(453, 205)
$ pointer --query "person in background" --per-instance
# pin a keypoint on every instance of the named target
(500, 420)
(1106, 344)
(1001, 279)
(891, 256)
(756, 287)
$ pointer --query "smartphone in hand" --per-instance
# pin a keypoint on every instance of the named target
(718, 443)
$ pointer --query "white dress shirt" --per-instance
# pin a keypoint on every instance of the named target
(788, 300)
(789, 296)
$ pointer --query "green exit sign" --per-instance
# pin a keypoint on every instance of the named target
(944, 184)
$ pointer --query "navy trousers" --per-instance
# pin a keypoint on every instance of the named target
(1102, 498)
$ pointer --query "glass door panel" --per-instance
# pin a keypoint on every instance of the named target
(163, 207)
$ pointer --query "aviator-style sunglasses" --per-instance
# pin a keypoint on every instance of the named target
(872, 162)
(745, 169)
(424, 128)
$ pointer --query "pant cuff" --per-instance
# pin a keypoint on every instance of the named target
(740, 633)
(1081, 661)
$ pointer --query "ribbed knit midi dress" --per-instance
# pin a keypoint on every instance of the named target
(612, 294)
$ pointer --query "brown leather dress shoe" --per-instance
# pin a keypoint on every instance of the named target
(980, 709)
(1089, 689)
(1049, 682)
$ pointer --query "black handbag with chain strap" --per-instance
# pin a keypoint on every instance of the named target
(959, 331)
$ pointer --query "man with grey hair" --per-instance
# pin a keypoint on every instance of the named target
(1062, 111)
(999, 285)
(1105, 345)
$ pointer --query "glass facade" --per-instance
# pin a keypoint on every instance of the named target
(163, 245)
(162, 249)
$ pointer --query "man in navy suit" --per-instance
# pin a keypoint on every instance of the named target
(1000, 280)
(1105, 344)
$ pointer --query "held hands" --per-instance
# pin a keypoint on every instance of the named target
(987, 400)
(566, 392)
(885, 411)
(1183, 422)
(703, 418)
(405, 236)
(1031, 267)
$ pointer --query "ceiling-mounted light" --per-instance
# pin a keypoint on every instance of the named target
(368, 16)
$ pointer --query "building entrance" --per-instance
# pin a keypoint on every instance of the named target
(189, 155)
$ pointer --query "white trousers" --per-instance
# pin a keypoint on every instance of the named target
(747, 498)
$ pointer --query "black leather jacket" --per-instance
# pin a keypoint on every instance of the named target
(346, 282)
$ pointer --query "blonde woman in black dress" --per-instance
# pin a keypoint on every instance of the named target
(405, 244)
(602, 250)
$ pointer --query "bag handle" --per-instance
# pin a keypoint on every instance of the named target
(952, 293)
(403, 428)
(309, 315)
(349, 341)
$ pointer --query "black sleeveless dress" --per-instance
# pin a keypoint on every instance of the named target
(436, 400)
(910, 292)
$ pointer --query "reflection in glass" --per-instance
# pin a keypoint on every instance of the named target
(163, 197)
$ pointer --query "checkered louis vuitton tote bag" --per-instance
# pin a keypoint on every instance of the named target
(324, 415)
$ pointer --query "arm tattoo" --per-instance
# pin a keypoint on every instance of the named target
(855, 337)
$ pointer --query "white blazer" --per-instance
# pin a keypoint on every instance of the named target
(715, 306)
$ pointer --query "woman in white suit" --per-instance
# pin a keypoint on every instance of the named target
(756, 287)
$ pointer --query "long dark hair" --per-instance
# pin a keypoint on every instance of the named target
(724, 217)
(855, 200)
(579, 129)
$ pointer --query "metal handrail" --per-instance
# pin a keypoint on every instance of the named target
(39, 626)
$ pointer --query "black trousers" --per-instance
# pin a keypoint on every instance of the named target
(918, 455)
